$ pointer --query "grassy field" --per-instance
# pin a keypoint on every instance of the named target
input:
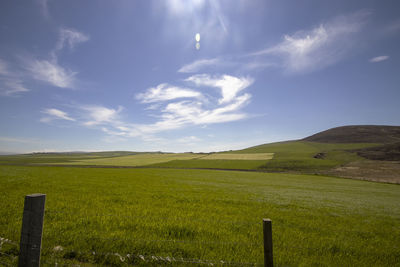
(242, 156)
(142, 159)
(203, 214)
(46, 158)
(294, 156)
(299, 155)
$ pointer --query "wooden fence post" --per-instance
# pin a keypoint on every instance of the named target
(31, 233)
(267, 229)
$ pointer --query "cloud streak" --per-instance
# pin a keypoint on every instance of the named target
(199, 65)
(70, 37)
(50, 72)
(176, 107)
(230, 86)
(301, 52)
(55, 114)
(378, 59)
(98, 115)
(165, 92)
(10, 83)
(306, 51)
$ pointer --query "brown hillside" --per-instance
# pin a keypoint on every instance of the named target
(389, 152)
(358, 134)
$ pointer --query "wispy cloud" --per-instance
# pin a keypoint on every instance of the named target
(43, 5)
(70, 37)
(189, 139)
(50, 72)
(301, 52)
(165, 92)
(319, 47)
(55, 114)
(101, 115)
(200, 65)
(12, 86)
(230, 86)
(169, 110)
(378, 59)
(10, 83)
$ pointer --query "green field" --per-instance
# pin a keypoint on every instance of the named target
(242, 156)
(142, 159)
(202, 214)
(292, 156)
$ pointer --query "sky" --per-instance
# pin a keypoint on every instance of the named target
(200, 76)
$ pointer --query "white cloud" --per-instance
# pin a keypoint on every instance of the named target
(43, 4)
(101, 115)
(3, 68)
(50, 72)
(180, 114)
(230, 86)
(165, 92)
(196, 110)
(55, 114)
(10, 83)
(70, 37)
(179, 7)
(12, 86)
(199, 65)
(188, 139)
(319, 47)
(378, 59)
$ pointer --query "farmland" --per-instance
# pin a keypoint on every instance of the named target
(145, 208)
(203, 214)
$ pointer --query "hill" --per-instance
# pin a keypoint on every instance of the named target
(358, 134)
(390, 152)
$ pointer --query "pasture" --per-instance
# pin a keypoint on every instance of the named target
(93, 213)
(141, 159)
(242, 156)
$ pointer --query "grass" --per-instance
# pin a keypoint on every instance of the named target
(242, 156)
(299, 155)
(211, 164)
(317, 220)
(46, 158)
(133, 160)
(292, 156)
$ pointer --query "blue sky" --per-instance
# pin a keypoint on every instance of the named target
(130, 75)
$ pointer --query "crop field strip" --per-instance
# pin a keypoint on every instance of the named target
(242, 156)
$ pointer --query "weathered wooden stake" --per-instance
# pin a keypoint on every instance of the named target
(267, 229)
(31, 233)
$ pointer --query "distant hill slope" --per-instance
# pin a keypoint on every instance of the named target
(389, 152)
(358, 134)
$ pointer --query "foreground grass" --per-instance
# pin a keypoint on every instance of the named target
(202, 214)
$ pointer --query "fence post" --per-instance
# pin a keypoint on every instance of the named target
(267, 230)
(31, 233)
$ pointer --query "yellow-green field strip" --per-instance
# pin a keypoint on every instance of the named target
(133, 160)
(252, 156)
